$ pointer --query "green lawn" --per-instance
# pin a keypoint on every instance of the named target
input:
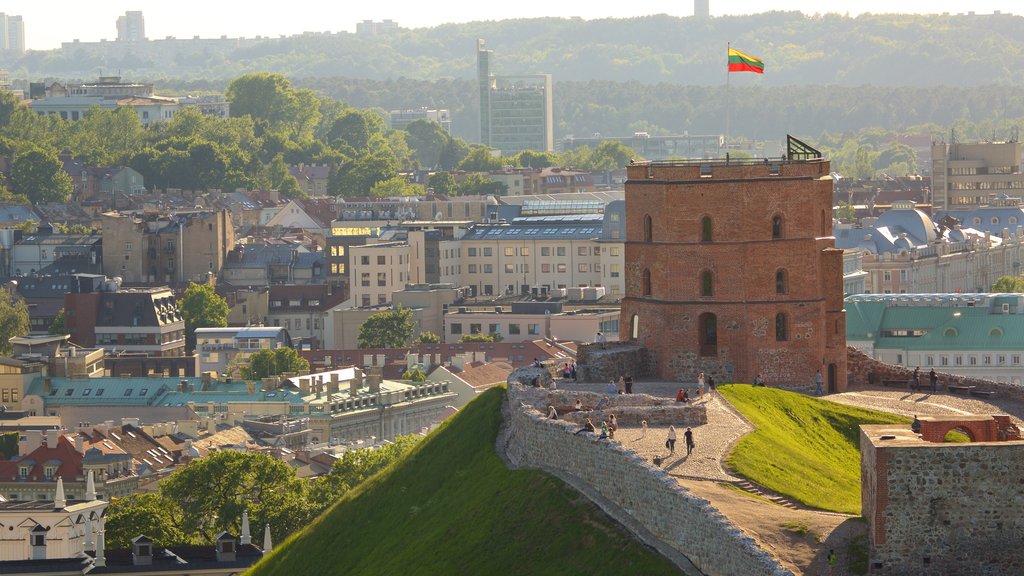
(804, 448)
(452, 507)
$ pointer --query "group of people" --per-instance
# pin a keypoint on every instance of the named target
(568, 370)
(684, 395)
(670, 442)
(623, 386)
(608, 427)
(915, 380)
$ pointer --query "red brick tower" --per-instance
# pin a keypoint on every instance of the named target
(731, 269)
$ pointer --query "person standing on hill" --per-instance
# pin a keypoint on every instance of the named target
(670, 443)
(688, 436)
(933, 379)
(818, 391)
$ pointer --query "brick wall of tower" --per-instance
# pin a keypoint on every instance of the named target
(666, 261)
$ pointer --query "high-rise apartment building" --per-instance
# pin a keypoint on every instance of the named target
(515, 111)
(131, 27)
(702, 8)
(12, 33)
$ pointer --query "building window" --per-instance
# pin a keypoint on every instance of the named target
(456, 328)
(780, 281)
(545, 268)
(533, 329)
(776, 227)
(38, 539)
(560, 251)
(513, 328)
(562, 268)
(780, 327)
(472, 268)
(545, 251)
(524, 251)
(472, 251)
(706, 283)
(648, 228)
(364, 279)
(582, 251)
(582, 267)
(929, 361)
(487, 252)
(705, 229)
(510, 251)
(708, 335)
(127, 245)
(944, 360)
(614, 271)
(382, 278)
(886, 276)
(488, 269)
(646, 285)
(382, 260)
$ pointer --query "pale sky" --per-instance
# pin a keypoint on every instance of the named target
(50, 22)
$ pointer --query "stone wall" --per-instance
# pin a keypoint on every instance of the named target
(629, 409)
(597, 364)
(943, 508)
(859, 365)
(636, 492)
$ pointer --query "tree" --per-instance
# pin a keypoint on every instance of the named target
(263, 96)
(353, 130)
(477, 184)
(149, 514)
(480, 159)
(355, 466)
(531, 159)
(212, 493)
(274, 362)
(280, 178)
(846, 212)
(40, 176)
(492, 337)
(427, 337)
(13, 320)
(8, 104)
(442, 183)
(414, 374)
(57, 326)
(357, 177)
(1009, 284)
(396, 186)
(201, 307)
(9, 445)
(388, 329)
(427, 140)
(611, 155)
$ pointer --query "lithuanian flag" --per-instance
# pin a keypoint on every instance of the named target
(740, 62)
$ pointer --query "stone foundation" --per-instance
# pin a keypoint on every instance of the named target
(597, 364)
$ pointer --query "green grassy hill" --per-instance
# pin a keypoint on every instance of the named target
(805, 448)
(452, 507)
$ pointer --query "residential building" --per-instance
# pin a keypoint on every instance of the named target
(371, 28)
(72, 101)
(528, 321)
(972, 335)
(98, 311)
(15, 377)
(854, 275)
(515, 111)
(208, 105)
(971, 174)
(45, 457)
(904, 251)
(313, 179)
(314, 214)
(224, 350)
(400, 119)
(264, 264)
(37, 251)
(300, 310)
(732, 271)
(428, 303)
(178, 248)
(377, 270)
(13, 34)
(131, 27)
(50, 534)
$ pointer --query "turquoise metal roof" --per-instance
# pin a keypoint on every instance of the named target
(116, 391)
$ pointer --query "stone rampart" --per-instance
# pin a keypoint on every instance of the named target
(637, 493)
(942, 508)
(600, 364)
(629, 409)
(860, 366)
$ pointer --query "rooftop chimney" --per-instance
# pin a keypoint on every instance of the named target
(374, 377)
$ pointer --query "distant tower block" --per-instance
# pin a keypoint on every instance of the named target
(702, 8)
(732, 270)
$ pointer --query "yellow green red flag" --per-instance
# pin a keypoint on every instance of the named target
(740, 62)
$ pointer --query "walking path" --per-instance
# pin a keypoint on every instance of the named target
(760, 513)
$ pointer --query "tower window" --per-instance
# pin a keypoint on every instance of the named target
(780, 328)
(648, 228)
(776, 227)
(780, 281)
(646, 282)
(705, 229)
(706, 283)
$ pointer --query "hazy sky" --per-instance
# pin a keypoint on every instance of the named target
(50, 22)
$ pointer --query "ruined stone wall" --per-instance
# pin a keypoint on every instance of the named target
(629, 409)
(597, 364)
(639, 493)
(944, 508)
(859, 365)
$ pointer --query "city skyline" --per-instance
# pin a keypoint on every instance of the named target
(88, 24)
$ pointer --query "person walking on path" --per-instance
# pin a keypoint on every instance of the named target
(711, 385)
(688, 436)
(700, 383)
(818, 391)
(671, 442)
(917, 378)
(572, 370)
(933, 379)
(588, 426)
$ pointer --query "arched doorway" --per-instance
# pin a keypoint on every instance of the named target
(832, 379)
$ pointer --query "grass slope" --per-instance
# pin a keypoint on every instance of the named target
(452, 507)
(805, 448)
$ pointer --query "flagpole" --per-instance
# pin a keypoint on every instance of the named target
(728, 97)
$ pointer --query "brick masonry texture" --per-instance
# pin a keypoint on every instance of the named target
(743, 258)
(944, 508)
(640, 493)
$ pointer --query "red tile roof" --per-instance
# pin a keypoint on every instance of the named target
(67, 459)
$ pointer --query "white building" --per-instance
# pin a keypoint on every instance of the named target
(219, 348)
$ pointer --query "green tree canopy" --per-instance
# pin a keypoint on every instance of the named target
(355, 466)
(492, 337)
(40, 176)
(388, 329)
(1009, 284)
(202, 307)
(477, 184)
(13, 320)
(212, 493)
(396, 186)
(531, 159)
(427, 337)
(149, 514)
(481, 159)
(274, 362)
(443, 183)
(428, 140)
(57, 326)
